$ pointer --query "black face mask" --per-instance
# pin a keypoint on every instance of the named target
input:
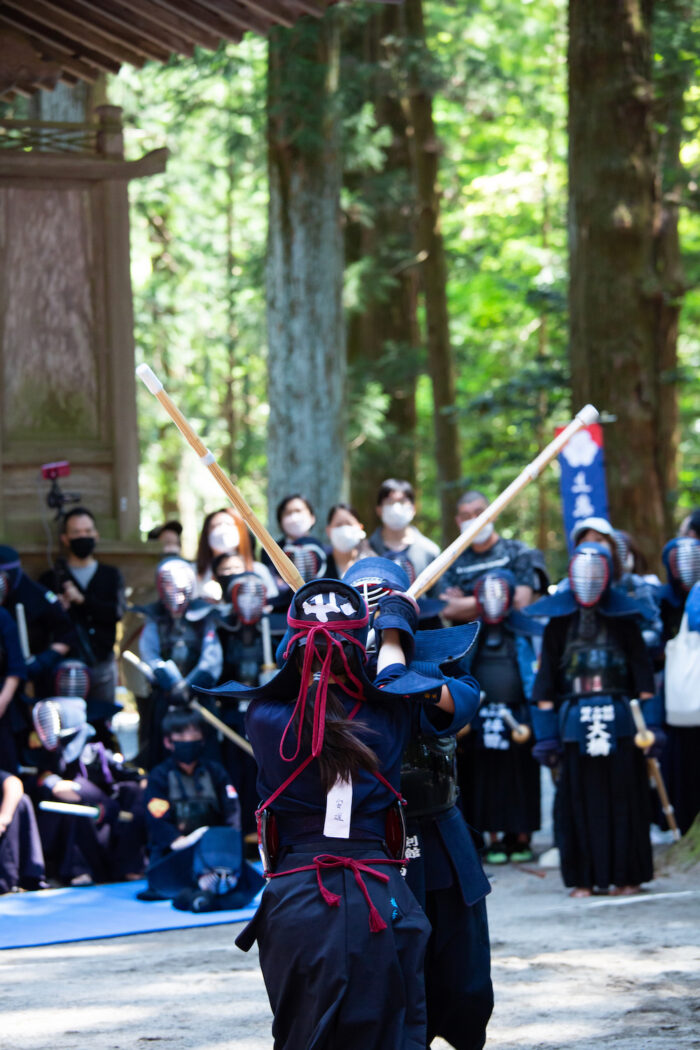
(82, 546)
(187, 751)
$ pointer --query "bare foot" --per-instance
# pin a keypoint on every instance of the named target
(580, 891)
(625, 891)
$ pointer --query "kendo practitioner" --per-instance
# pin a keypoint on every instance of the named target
(12, 674)
(181, 645)
(93, 595)
(340, 935)
(21, 856)
(80, 850)
(194, 826)
(503, 779)
(50, 635)
(444, 871)
(681, 759)
(593, 661)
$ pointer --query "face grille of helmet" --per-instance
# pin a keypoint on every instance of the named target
(47, 722)
(72, 679)
(247, 596)
(493, 595)
(685, 561)
(176, 583)
(309, 558)
(372, 590)
(588, 576)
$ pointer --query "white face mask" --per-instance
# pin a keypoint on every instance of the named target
(297, 524)
(398, 515)
(344, 537)
(224, 538)
(483, 535)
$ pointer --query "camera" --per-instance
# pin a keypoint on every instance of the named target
(55, 498)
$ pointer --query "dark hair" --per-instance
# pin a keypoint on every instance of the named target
(76, 512)
(392, 485)
(471, 497)
(177, 719)
(343, 754)
(218, 560)
(640, 562)
(341, 506)
(288, 499)
(204, 551)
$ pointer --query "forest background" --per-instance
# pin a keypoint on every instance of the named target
(493, 77)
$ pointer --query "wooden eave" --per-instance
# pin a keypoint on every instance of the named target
(78, 39)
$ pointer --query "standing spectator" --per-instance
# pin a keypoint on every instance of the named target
(396, 538)
(296, 518)
(169, 535)
(489, 552)
(92, 594)
(223, 532)
(347, 537)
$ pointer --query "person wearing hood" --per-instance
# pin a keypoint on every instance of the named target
(499, 771)
(93, 595)
(341, 937)
(593, 662)
(77, 769)
(397, 538)
(488, 552)
(180, 644)
(444, 872)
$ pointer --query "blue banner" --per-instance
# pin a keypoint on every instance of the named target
(584, 492)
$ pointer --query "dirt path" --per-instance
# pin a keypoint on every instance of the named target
(569, 975)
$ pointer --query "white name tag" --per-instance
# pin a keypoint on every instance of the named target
(338, 810)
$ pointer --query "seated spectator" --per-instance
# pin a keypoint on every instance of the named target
(81, 850)
(397, 538)
(21, 856)
(92, 594)
(194, 826)
(169, 534)
(347, 537)
(12, 673)
(489, 552)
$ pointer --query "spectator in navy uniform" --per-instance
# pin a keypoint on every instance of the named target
(12, 673)
(93, 596)
(21, 857)
(489, 552)
(194, 826)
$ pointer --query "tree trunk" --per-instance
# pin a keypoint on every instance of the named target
(383, 336)
(431, 249)
(622, 335)
(306, 343)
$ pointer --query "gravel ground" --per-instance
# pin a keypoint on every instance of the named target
(568, 975)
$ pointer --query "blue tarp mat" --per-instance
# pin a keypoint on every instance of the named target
(88, 912)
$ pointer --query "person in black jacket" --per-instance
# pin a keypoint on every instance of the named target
(93, 596)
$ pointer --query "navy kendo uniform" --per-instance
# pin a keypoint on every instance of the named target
(180, 644)
(444, 872)
(593, 661)
(47, 624)
(499, 775)
(21, 855)
(340, 936)
(12, 665)
(77, 847)
(209, 873)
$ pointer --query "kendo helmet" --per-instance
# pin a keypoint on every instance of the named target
(246, 593)
(376, 577)
(176, 583)
(61, 725)
(309, 558)
(494, 595)
(72, 679)
(681, 557)
(590, 572)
